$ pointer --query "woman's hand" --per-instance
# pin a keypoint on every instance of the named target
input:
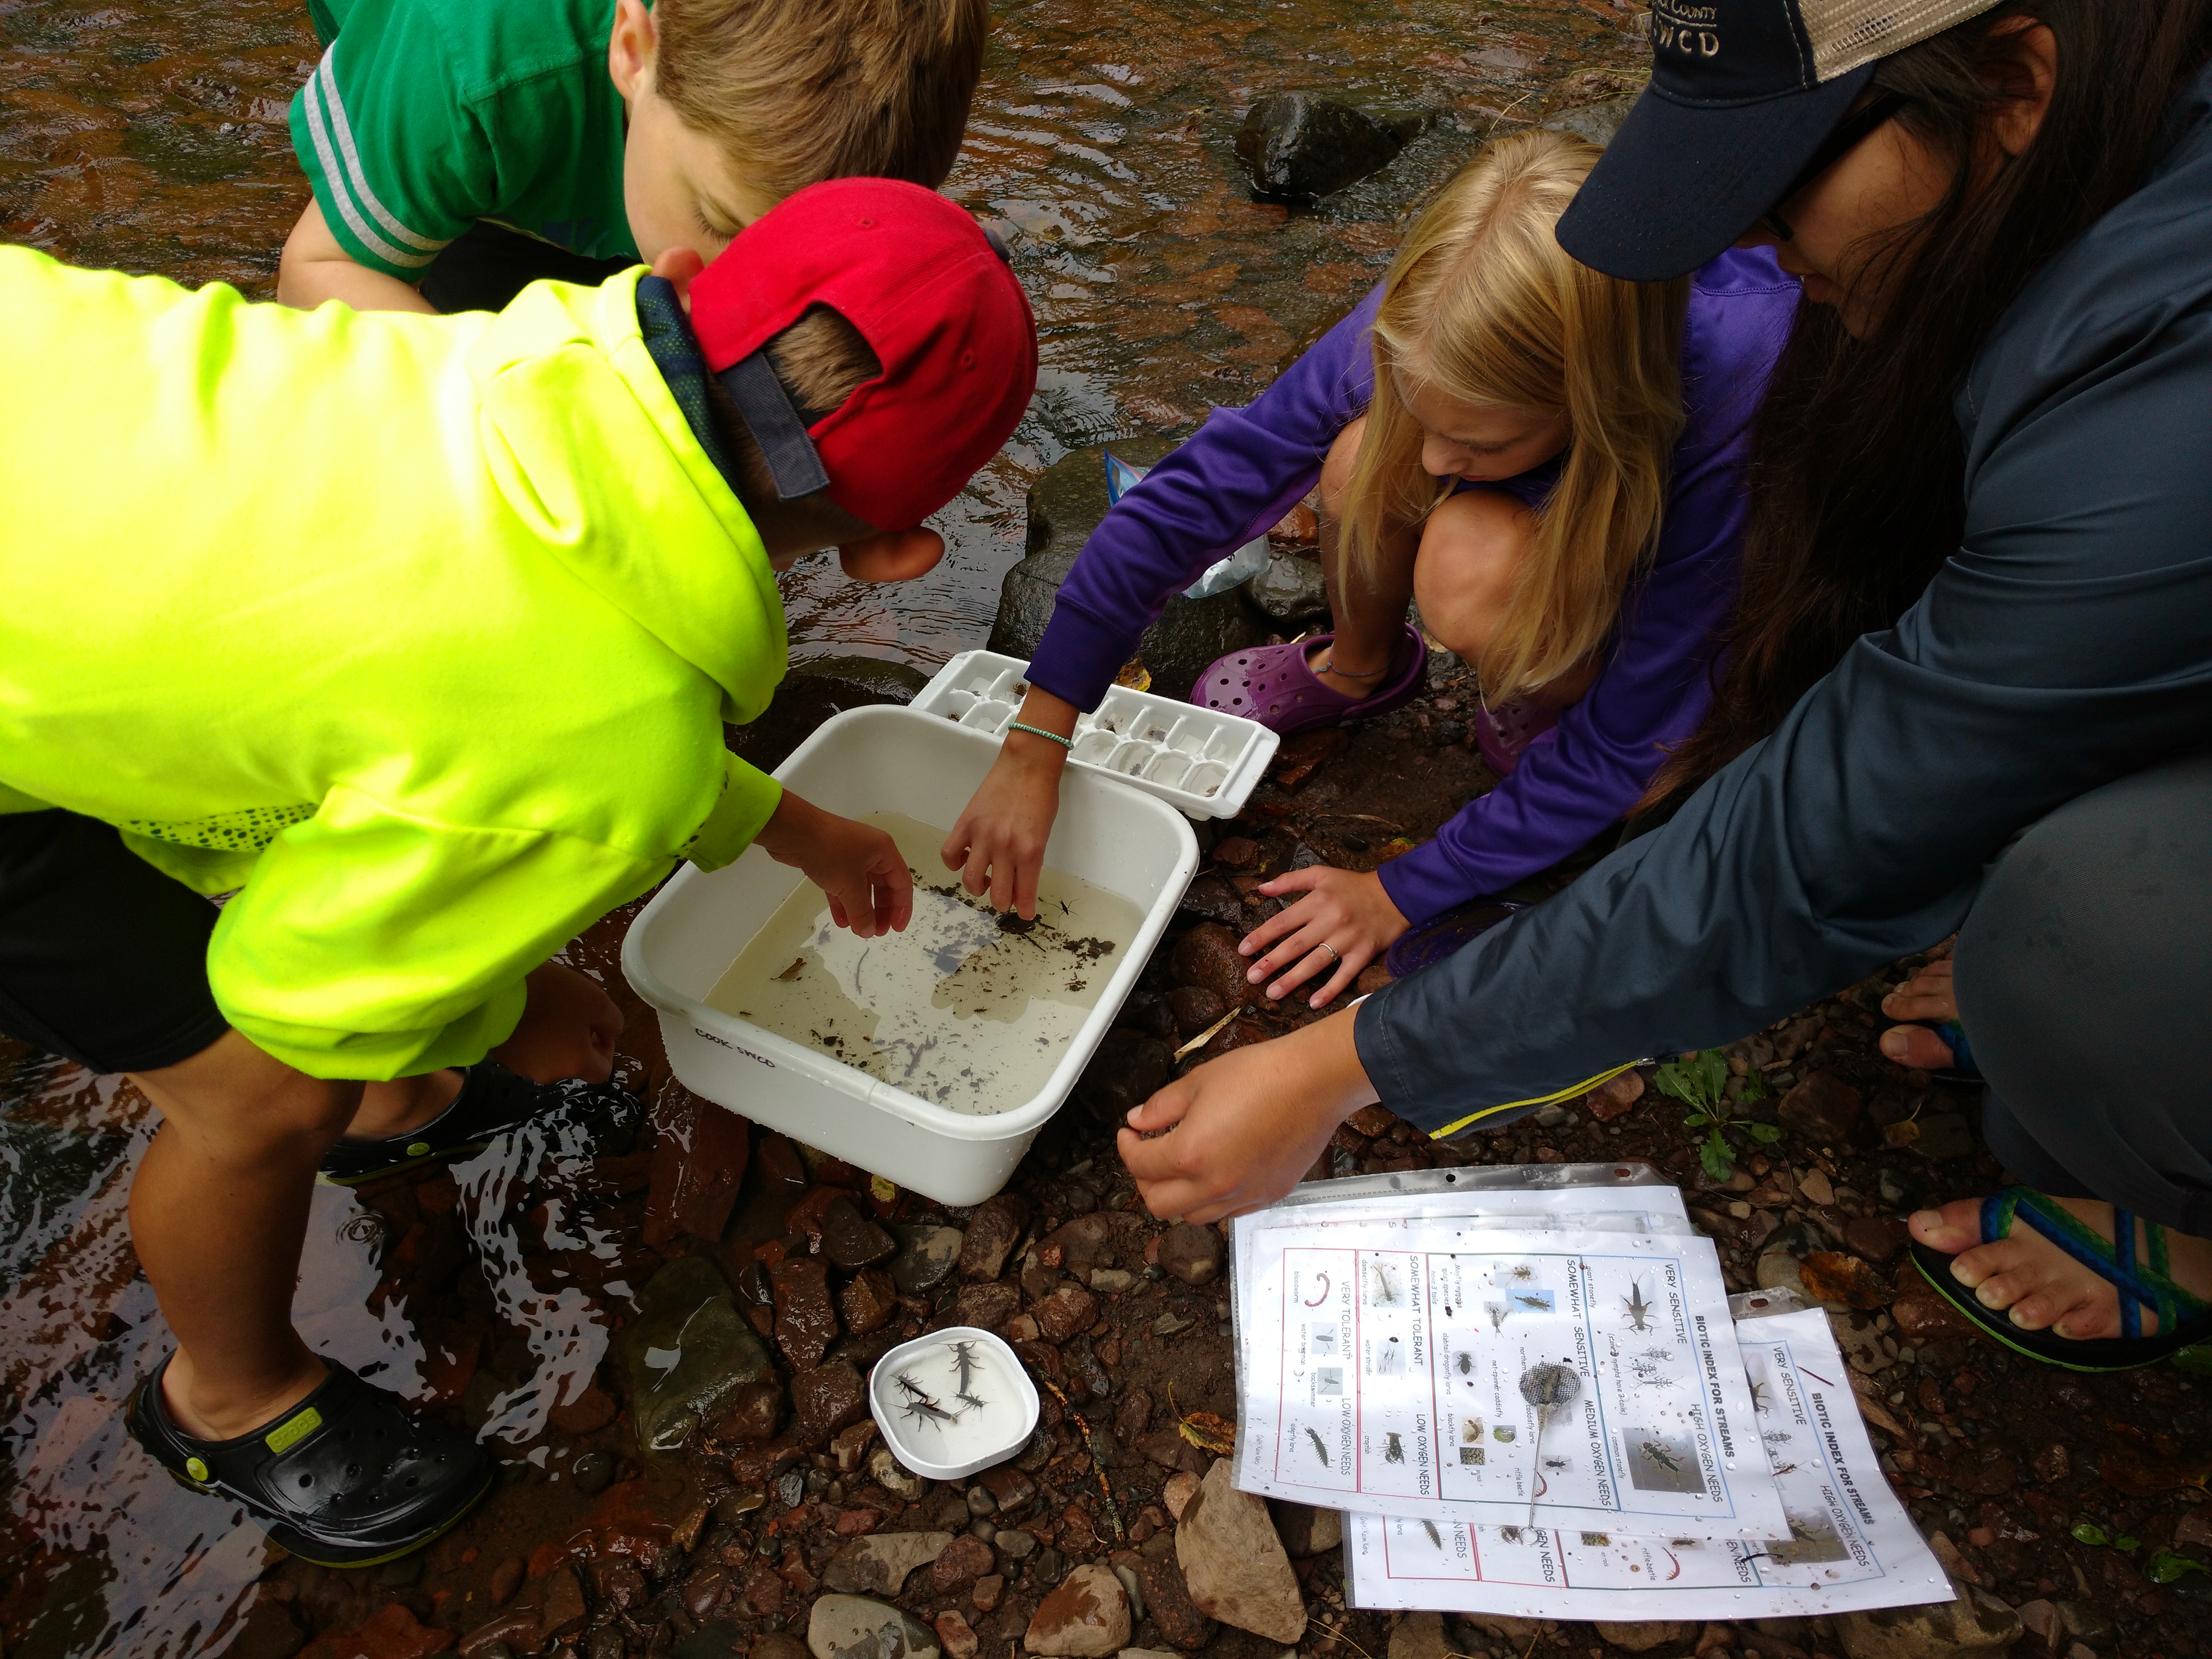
(860, 867)
(1344, 922)
(999, 842)
(1245, 1128)
(567, 1029)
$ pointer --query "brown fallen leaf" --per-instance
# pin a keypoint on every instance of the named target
(1208, 1433)
(1831, 1276)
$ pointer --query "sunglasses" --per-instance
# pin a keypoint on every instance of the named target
(1849, 135)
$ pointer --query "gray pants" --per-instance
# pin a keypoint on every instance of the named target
(2085, 985)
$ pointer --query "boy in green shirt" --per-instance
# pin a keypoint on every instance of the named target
(417, 636)
(459, 152)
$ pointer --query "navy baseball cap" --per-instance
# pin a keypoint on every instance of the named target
(1742, 94)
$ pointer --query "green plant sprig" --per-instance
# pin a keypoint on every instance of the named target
(1700, 1083)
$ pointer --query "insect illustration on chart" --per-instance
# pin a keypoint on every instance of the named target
(1322, 1295)
(1466, 1363)
(1786, 1468)
(1509, 1534)
(1522, 1271)
(1497, 1310)
(1760, 1402)
(1777, 1437)
(1648, 1374)
(1395, 1451)
(1536, 1301)
(1386, 1287)
(1435, 1537)
(1655, 1453)
(1557, 1465)
(1639, 1310)
(1320, 1450)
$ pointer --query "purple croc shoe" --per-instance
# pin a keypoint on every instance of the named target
(1274, 686)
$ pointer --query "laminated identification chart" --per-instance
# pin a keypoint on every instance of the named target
(1442, 1368)
(1846, 1543)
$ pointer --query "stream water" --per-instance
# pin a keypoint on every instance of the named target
(153, 138)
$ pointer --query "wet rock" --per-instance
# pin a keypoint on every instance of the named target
(1195, 1008)
(987, 1306)
(1207, 957)
(852, 1240)
(698, 1164)
(925, 1259)
(1068, 1310)
(1168, 1603)
(1615, 1097)
(961, 1564)
(1977, 1623)
(687, 1354)
(1300, 146)
(855, 1627)
(954, 1636)
(1305, 1529)
(1822, 1109)
(806, 1324)
(1087, 1617)
(1594, 123)
(1132, 1416)
(1644, 1634)
(1129, 1070)
(391, 1634)
(868, 1302)
(587, 1414)
(783, 1172)
(878, 1565)
(1191, 1253)
(825, 1399)
(849, 1447)
(993, 1231)
(1065, 503)
(1292, 591)
(593, 1473)
(268, 1631)
(1234, 1564)
(1010, 1491)
(1419, 1635)
(754, 1414)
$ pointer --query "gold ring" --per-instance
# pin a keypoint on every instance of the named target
(1331, 949)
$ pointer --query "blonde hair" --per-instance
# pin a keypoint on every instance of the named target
(796, 91)
(1483, 304)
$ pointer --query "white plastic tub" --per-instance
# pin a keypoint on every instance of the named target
(925, 1451)
(873, 760)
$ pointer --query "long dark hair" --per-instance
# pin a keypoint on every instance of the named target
(1857, 466)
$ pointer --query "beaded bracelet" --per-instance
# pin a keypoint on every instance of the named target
(1039, 732)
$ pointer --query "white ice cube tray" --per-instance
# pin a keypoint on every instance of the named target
(1204, 762)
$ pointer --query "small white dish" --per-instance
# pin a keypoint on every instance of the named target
(979, 1436)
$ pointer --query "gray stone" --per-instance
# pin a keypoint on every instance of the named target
(1419, 1635)
(1300, 146)
(1234, 1564)
(1065, 505)
(687, 1354)
(1595, 123)
(1291, 589)
(1977, 1623)
(893, 682)
(926, 1258)
(1642, 1635)
(878, 1565)
(854, 1627)
(1778, 1271)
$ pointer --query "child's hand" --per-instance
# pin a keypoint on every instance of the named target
(567, 1029)
(999, 842)
(860, 867)
(1343, 923)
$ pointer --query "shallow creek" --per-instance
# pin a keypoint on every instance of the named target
(153, 138)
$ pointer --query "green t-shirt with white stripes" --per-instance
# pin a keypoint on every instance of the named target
(424, 117)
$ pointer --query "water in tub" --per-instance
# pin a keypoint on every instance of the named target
(952, 1403)
(965, 1008)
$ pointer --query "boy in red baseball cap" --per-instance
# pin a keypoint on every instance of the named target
(417, 634)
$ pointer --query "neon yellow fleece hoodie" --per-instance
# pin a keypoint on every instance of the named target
(419, 631)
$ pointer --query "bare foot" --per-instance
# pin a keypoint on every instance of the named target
(1927, 995)
(2042, 1286)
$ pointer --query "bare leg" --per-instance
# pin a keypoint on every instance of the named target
(219, 1212)
(1371, 610)
(1471, 549)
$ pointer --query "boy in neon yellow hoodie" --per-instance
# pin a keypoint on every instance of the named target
(419, 633)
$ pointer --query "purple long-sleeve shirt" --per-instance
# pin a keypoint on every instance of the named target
(1247, 467)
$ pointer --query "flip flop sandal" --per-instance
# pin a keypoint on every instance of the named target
(492, 1101)
(1962, 1068)
(2182, 1319)
(347, 1477)
(1274, 686)
(1504, 734)
(1441, 936)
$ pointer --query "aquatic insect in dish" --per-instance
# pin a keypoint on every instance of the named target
(1395, 1452)
(1639, 1310)
(912, 1389)
(1653, 1452)
(1320, 1450)
(965, 1361)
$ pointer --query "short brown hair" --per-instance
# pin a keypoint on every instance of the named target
(799, 91)
(820, 359)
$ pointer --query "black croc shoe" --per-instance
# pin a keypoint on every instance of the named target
(492, 1101)
(347, 1477)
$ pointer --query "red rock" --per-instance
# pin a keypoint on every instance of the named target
(1371, 1120)
(1299, 527)
(1821, 1108)
(698, 1164)
(587, 1414)
(964, 1560)
(755, 1415)
(506, 1579)
(1013, 1491)
(1134, 1415)
(857, 1523)
(763, 1591)
(868, 1302)
(852, 1240)
(1301, 757)
(986, 1306)
(988, 1590)
(1207, 957)
(392, 1633)
(1616, 1096)
(954, 1636)
(1191, 1253)
(825, 1399)
(1168, 1603)
(517, 1628)
(1068, 1310)
(1085, 1617)
(1085, 1243)
(545, 1558)
(781, 1170)
(807, 1216)
(806, 1324)
(992, 1230)
(1195, 1009)
(1877, 1237)
(849, 1447)
(1171, 1451)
